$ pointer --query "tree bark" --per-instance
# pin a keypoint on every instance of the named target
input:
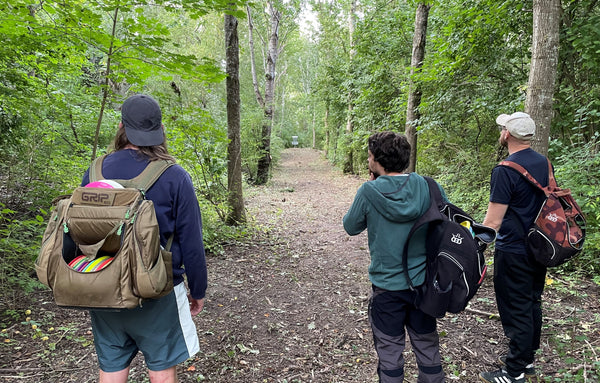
(259, 97)
(326, 128)
(542, 73)
(314, 129)
(235, 199)
(349, 160)
(414, 95)
(264, 161)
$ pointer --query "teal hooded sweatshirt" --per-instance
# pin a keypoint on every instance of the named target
(388, 207)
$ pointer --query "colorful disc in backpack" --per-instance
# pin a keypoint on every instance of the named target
(98, 264)
(106, 184)
(104, 263)
(82, 265)
(92, 265)
(75, 260)
(78, 263)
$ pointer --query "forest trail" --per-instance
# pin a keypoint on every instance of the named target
(299, 290)
(289, 304)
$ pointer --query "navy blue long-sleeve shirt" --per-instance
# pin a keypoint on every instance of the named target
(177, 211)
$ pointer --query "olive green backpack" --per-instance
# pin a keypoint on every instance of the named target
(101, 248)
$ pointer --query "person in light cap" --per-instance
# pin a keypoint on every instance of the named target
(162, 329)
(518, 278)
(520, 125)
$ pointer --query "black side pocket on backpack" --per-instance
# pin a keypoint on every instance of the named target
(433, 299)
(70, 250)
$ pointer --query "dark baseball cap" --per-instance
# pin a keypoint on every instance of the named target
(142, 119)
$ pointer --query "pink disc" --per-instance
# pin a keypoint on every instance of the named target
(107, 184)
(99, 184)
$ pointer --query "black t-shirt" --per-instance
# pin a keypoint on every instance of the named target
(524, 200)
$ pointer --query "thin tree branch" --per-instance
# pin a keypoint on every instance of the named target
(259, 97)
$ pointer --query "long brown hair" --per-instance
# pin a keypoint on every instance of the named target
(156, 152)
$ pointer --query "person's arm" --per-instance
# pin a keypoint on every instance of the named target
(495, 214)
(355, 220)
(188, 229)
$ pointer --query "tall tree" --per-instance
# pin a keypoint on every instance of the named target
(266, 102)
(105, 88)
(414, 96)
(542, 73)
(349, 161)
(234, 156)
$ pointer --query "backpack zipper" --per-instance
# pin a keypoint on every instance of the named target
(459, 266)
(51, 235)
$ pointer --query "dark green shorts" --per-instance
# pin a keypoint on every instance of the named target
(162, 329)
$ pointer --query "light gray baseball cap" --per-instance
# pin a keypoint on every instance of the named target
(520, 125)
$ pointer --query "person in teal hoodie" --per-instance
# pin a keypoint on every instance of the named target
(388, 206)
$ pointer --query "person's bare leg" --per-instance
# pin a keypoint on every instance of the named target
(164, 376)
(114, 377)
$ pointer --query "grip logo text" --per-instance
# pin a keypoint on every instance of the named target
(96, 198)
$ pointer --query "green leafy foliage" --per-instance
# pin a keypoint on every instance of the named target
(576, 169)
(19, 244)
(201, 148)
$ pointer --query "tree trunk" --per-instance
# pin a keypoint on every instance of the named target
(542, 73)
(314, 130)
(264, 162)
(349, 160)
(234, 156)
(414, 95)
(259, 97)
(326, 127)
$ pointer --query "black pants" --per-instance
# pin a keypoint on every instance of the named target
(390, 312)
(519, 283)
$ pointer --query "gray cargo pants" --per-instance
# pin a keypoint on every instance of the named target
(390, 312)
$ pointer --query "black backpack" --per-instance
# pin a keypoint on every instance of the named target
(455, 261)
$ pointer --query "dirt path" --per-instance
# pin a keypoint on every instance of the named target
(289, 305)
(298, 294)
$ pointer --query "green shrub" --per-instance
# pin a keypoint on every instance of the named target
(19, 244)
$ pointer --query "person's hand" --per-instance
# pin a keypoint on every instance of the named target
(196, 305)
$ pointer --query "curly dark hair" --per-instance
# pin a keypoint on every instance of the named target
(391, 150)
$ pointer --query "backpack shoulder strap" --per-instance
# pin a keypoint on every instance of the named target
(431, 214)
(148, 176)
(151, 173)
(142, 181)
(551, 180)
(434, 192)
(95, 173)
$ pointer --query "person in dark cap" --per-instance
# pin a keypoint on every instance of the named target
(142, 119)
(162, 329)
(518, 278)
